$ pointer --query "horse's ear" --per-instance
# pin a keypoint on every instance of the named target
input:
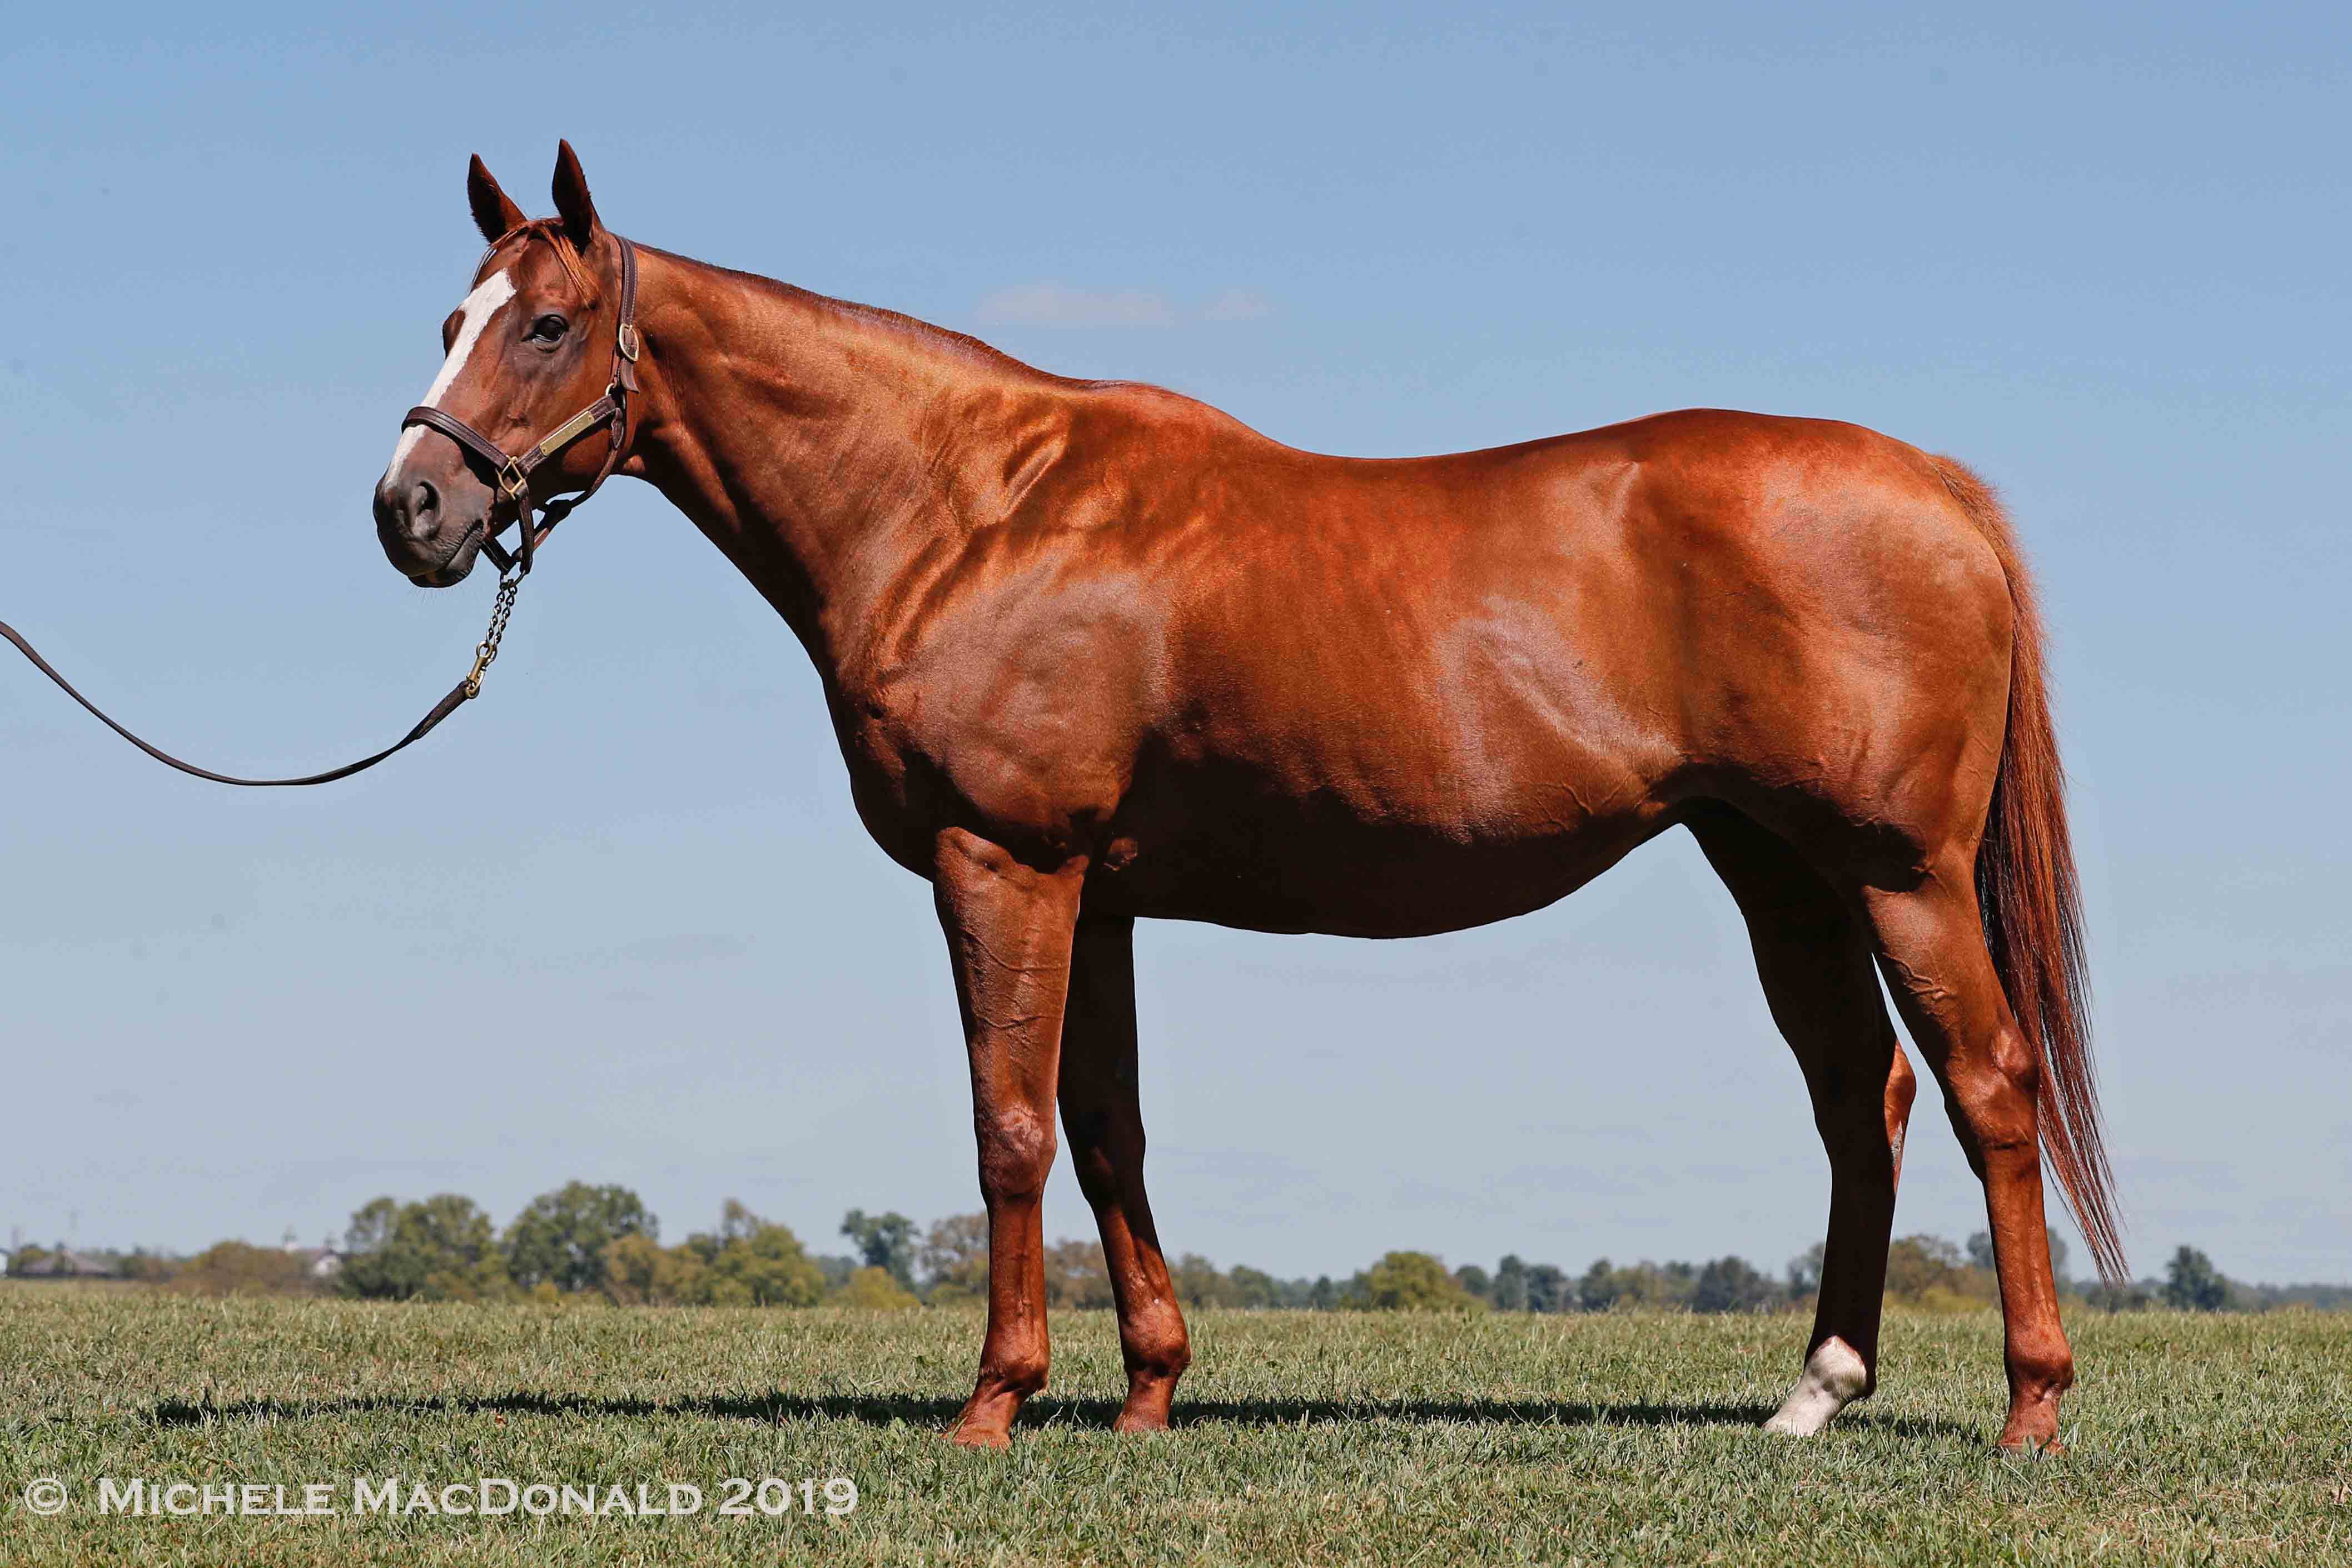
(494, 212)
(579, 224)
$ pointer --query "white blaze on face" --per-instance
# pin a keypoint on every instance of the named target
(474, 316)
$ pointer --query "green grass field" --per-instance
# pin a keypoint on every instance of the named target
(1303, 1437)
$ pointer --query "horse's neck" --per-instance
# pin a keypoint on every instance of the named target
(823, 447)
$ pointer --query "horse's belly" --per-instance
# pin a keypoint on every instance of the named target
(1294, 866)
(1419, 805)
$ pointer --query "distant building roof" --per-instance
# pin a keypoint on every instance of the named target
(62, 1264)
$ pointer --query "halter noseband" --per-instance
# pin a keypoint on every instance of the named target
(512, 474)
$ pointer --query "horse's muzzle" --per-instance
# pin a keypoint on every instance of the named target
(419, 538)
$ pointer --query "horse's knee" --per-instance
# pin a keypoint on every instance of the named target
(1016, 1152)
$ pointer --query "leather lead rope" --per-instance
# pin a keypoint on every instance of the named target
(512, 477)
(459, 695)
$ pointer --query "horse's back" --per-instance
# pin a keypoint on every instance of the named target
(1611, 591)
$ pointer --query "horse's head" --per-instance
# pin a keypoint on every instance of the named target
(531, 344)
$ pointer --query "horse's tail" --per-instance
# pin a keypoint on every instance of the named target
(2031, 904)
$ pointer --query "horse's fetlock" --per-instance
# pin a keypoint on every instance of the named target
(1020, 1374)
(1158, 1357)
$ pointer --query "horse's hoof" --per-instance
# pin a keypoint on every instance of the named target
(966, 1436)
(1146, 1406)
(2033, 1428)
(1130, 1421)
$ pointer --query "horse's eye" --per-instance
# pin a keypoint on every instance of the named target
(548, 328)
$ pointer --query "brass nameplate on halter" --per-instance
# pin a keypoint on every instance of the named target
(572, 429)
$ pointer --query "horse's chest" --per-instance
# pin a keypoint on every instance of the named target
(887, 773)
(922, 759)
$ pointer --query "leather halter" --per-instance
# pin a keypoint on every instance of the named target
(513, 473)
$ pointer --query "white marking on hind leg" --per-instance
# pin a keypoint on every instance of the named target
(1834, 1377)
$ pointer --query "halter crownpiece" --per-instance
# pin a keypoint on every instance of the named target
(511, 474)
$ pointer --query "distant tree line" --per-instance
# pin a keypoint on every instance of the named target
(584, 1240)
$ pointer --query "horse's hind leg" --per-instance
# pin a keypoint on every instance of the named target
(1931, 943)
(1814, 955)
(1104, 1120)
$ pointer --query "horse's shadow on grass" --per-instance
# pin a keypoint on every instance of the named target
(890, 1409)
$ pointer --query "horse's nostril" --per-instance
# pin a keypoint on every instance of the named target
(424, 508)
(407, 510)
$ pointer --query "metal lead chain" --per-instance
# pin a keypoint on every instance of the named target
(486, 652)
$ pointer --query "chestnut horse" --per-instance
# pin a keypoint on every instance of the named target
(1094, 650)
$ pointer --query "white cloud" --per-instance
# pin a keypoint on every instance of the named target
(1237, 305)
(1055, 305)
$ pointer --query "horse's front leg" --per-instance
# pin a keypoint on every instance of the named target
(1101, 1113)
(1009, 927)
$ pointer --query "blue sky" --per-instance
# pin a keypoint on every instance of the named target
(619, 922)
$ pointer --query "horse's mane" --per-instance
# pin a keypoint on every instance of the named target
(567, 255)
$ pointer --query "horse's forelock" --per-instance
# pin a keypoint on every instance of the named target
(567, 255)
